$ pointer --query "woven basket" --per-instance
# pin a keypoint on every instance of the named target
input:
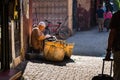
(54, 50)
(69, 49)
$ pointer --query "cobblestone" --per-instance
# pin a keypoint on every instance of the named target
(80, 68)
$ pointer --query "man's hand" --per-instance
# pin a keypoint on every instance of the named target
(47, 36)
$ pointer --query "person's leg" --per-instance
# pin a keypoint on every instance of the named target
(108, 21)
(36, 51)
(105, 24)
(99, 24)
(102, 24)
(116, 67)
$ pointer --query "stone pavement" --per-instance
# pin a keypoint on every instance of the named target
(81, 66)
(90, 43)
(76, 68)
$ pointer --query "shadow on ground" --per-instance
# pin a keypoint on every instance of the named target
(41, 59)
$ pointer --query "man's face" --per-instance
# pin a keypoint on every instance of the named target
(42, 28)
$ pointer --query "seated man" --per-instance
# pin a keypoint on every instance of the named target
(38, 37)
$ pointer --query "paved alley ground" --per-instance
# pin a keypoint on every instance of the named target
(77, 68)
(85, 62)
(90, 43)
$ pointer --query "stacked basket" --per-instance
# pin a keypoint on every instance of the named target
(57, 50)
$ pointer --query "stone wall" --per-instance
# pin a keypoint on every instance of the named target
(53, 11)
(85, 12)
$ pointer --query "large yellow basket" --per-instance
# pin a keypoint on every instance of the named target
(56, 50)
(68, 49)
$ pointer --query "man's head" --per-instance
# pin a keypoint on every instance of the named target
(41, 25)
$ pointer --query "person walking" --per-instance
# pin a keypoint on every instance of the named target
(100, 18)
(107, 18)
(114, 44)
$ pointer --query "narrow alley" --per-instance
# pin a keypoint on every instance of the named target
(81, 66)
(19, 19)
